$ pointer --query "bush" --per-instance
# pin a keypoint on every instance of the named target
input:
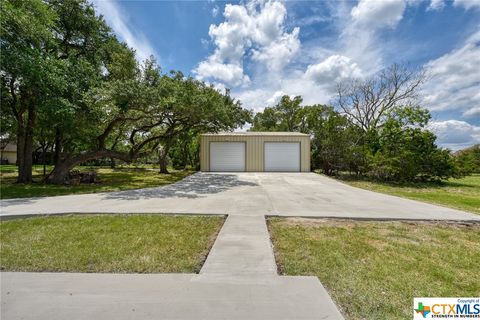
(468, 160)
(405, 151)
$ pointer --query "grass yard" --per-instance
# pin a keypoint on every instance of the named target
(108, 243)
(463, 194)
(373, 270)
(110, 180)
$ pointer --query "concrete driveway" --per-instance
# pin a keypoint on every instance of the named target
(238, 280)
(285, 194)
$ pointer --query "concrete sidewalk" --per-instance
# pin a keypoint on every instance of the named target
(73, 296)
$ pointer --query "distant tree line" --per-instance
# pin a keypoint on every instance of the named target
(373, 129)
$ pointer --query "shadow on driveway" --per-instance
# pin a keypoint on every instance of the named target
(191, 187)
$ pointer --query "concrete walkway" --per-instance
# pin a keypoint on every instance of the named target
(242, 248)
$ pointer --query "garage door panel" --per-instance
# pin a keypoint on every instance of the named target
(227, 156)
(282, 156)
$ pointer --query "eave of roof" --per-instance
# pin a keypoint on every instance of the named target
(257, 133)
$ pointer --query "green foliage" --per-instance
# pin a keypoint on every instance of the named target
(27, 68)
(405, 151)
(399, 148)
(336, 145)
(468, 160)
(285, 116)
(53, 52)
(184, 152)
(68, 83)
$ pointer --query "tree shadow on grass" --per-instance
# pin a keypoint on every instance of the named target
(193, 186)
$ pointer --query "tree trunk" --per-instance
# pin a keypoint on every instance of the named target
(25, 146)
(61, 170)
(163, 157)
(186, 156)
(28, 156)
(59, 173)
(163, 162)
(20, 151)
(112, 163)
(28, 159)
(44, 159)
(58, 147)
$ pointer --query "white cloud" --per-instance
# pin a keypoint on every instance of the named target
(231, 36)
(254, 35)
(311, 20)
(454, 79)
(378, 13)
(205, 43)
(436, 5)
(296, 83)
(467, 4)
(227, 72)
(275, 98)
(454, 134)
(255, 99)
(279, 53)
(333, 69)
(118, 21)
(360, 30)
(215, 10)
(258, 99)
(473, 112)
(413, 2)
(253, 30)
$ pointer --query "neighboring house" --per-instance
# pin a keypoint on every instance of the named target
(8, 154)
(255, 151)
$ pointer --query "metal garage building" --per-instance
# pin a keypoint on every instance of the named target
(255, 151)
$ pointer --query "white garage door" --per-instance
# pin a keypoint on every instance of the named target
(227, 156)
(282, 156)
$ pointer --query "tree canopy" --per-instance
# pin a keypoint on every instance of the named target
(67, 81)
(374, 129)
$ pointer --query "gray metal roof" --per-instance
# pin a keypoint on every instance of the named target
(256, 133)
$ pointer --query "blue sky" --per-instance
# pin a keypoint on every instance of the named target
(264, 49)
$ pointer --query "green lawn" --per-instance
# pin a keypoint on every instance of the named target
(109, 180)
(463, 194)
(373, 270)
(108, 243)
